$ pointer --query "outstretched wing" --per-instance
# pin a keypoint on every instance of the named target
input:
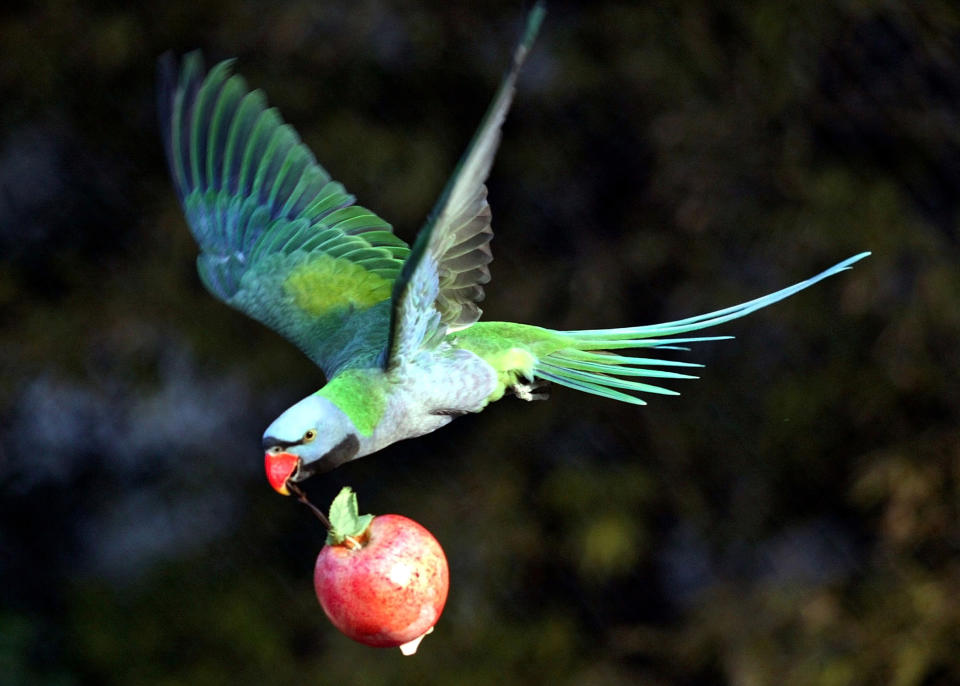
(279, 239)
(442, 279)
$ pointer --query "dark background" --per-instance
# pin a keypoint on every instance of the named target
(793, 518)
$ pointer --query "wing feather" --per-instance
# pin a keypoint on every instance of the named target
(279, 239)
(442, 279)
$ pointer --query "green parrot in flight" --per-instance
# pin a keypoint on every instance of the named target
(395, 328)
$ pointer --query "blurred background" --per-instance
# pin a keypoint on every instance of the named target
(793, 518)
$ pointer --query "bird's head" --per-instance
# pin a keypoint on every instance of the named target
(311, 437)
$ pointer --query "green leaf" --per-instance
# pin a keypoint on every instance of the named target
(346, 519)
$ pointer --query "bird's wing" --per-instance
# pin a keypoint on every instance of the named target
(442, 279)
(279, 239)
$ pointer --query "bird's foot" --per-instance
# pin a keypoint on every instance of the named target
(525, 391)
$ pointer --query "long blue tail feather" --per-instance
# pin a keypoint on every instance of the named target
(585, 366)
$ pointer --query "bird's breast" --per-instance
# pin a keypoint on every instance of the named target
(431, 391)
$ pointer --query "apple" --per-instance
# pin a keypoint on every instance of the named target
(382, 580)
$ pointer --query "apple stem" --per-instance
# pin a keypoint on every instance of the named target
(302, 497)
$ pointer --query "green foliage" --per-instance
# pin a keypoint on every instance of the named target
(346, 519)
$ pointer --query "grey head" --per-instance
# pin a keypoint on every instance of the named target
(311, 437)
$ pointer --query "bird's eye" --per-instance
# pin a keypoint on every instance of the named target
(309, 436)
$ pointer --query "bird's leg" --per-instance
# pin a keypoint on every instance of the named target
(525, 391)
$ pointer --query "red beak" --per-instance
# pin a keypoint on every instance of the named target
(280, 467)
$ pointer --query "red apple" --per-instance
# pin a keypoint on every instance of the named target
(381, 580)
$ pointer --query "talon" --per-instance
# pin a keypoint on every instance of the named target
(525, 391)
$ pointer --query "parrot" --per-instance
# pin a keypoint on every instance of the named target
(395, 328)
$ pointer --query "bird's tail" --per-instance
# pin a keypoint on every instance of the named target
(587, 363)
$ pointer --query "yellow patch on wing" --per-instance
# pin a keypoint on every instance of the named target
(326, 283)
